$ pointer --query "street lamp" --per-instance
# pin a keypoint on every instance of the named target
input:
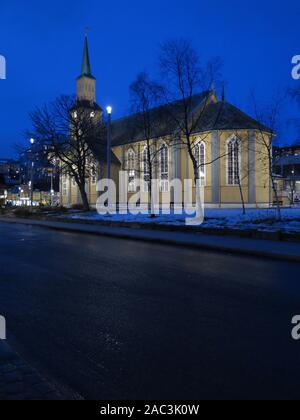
(109, 137)
(32, 141)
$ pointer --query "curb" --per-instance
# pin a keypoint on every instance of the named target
(6, 354)
(138, 236)
(19, 381)
(249, 233)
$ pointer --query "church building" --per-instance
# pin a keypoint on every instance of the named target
(230, 149)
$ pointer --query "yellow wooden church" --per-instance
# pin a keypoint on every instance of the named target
(231, 154)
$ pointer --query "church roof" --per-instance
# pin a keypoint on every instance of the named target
(128, 130)
(218, 115)
(225, 116)
(99, 150)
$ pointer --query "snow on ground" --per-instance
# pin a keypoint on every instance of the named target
(254, 218)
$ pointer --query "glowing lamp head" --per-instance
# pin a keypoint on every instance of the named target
(32, 141)
(109, 110)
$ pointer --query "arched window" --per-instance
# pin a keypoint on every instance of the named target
(131, 170)
(94, 175)
(233, 161)
(200, 154)
(164, 168)
(145, 170)
(64, 185)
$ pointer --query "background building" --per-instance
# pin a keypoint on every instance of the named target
(10, 170)
(287, 167)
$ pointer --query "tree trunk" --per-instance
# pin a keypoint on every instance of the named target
(242, 197)
(151, 204)
(277, 200)
(85, 201)
(199, 201)
(199, 204)
(275, 193)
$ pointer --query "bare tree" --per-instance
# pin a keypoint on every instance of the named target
(68, 129)
(243, 170)
(146, 95)
(240, 181)
(269, 120)
(294, 94)
(291, 184)
(184, 77)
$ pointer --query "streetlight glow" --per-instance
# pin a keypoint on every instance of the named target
(109, 110)
(32, 141)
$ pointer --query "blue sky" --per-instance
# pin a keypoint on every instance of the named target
(43, 41)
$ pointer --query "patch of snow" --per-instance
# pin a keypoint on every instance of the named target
(263, 219)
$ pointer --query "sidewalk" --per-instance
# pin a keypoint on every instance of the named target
(243, 246)
(18, 381)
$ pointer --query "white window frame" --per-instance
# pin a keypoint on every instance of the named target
(131, 161)
(64, 186)
(94, 176)
(164, 183)
(201, 144)
(145, 170)
(233, 139)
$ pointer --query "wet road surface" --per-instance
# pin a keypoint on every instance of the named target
(117, 319)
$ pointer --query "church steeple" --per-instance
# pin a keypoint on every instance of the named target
(86, 65)
(86, 82)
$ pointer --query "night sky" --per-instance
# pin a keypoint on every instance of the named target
(43, 40)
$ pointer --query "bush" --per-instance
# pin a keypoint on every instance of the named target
(22, 212)
(61, 209)
(45, 209)
(78, 207)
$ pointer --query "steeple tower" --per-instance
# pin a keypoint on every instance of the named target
(86, 82)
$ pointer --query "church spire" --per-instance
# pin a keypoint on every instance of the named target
(86, 82)
(86, 64)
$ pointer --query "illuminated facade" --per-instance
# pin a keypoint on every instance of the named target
(227, 144)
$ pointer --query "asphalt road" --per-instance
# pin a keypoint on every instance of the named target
(117, 319)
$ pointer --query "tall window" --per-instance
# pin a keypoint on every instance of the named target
(200, 154)
(233, 159)
(94, 176)
(164, 168)
(64, 185)
(145, 170)
(131, 170)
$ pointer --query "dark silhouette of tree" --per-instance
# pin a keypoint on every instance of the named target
(146, 96)
(69, 128)
(184, 77)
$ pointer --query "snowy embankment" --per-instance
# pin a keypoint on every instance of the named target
(214, 218)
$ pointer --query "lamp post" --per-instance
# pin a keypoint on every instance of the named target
(52, 192)
(32, 141)
(109, 137)
(51, 189)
